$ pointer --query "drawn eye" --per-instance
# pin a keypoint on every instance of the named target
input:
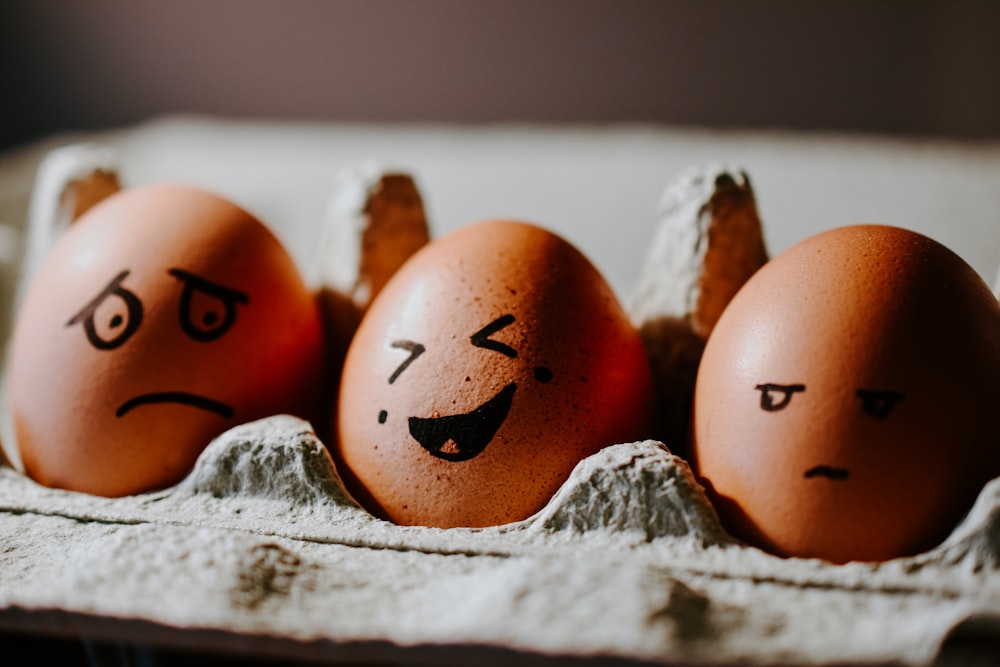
(767, 392)
(482, 337)
(878, 404)
(207, 310)
(112, 317)
(415, 350)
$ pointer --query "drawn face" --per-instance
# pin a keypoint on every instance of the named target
(488, 367)
(460, 437)
(163, 317)
(821, 424)
(209, 323)
(875, 404)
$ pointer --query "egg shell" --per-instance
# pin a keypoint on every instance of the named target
(846, 403)
(527, 363)
(164, 316)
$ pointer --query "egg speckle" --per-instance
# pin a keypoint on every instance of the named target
(164, 316)
(461, 396)
(845, 407)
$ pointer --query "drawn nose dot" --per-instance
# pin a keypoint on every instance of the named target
(382, 416)
(542, 374)
(210, 318)
(116, 322)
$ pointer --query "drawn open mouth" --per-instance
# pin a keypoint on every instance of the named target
(836, 474)
(180, 397)
(465, 436)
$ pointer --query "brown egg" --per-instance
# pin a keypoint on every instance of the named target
(164, 316)
(491, 363)
(846, 404)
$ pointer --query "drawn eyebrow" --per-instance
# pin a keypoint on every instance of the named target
(132, 322)
(767, 401)
(482, 337)
(227, 295)
(415, 350)
(208, 287)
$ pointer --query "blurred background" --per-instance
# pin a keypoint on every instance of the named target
(890, 67)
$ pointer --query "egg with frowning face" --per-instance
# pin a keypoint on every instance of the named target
(164, 316)
(490, 364)
(846, 403)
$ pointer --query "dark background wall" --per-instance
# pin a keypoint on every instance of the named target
(875, 66)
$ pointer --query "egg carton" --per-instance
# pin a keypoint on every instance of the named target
(260, 551)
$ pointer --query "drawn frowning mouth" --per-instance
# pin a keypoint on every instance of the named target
(468, 433)
(179, 397)
(836, 474)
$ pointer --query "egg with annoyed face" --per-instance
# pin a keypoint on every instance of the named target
(492, 363)
(164, 316)
(846, 402)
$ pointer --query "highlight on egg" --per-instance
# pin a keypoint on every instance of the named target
(846, 403)
(492, 363)
(164, 316)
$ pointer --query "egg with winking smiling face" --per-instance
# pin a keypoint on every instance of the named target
(492, 363)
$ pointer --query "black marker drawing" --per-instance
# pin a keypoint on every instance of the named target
(835, 474)
(543, 374)
(482, 337)
(878, 404)
(382, 416)
(767, 401)
(179, 397)
(469, 432)
(415, 350)
(132, 320)
(210, 328)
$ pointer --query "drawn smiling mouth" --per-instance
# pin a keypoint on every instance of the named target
(179, 397)
(468, 433)
(836, 474)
